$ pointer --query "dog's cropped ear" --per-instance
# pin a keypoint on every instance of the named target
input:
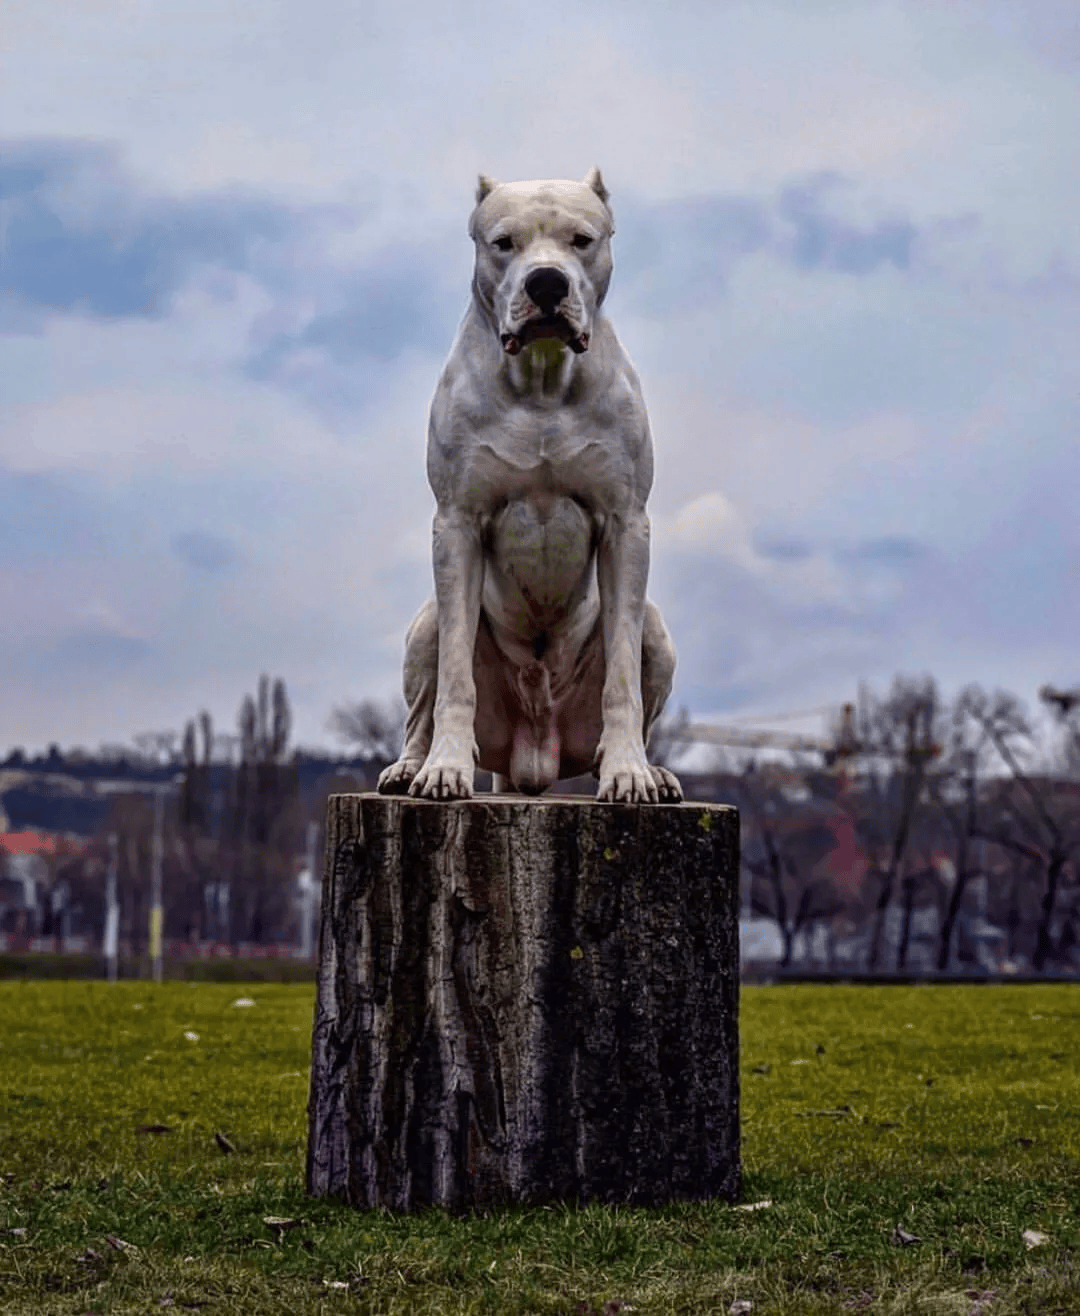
(594, 180)
(484, 185)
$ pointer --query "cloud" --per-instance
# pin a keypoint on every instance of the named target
(823, 241)
(710, 524)
(833, 580)
(886, 549)
(204, 552)
(678, 255)
(844, 272)
(1001, 607)
(42, 519)
(84, 238)
(756, 618)
(81, 237)
(332, 346)
(81, 656)
(746, 637)
(782, 550)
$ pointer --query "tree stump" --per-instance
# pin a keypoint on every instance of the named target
(525, 1001)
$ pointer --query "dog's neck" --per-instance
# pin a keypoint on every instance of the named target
(543, 369)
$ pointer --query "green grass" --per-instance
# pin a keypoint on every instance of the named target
(953, 1112)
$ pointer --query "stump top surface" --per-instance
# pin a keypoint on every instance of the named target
(535, 802)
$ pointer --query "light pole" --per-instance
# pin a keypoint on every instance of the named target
(307, 894)
(110, 941)
(157, 853)
(157, 917)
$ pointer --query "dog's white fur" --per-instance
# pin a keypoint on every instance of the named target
(540, 656)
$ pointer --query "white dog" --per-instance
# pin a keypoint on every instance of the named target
(540, 656)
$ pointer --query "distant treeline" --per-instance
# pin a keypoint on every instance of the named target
(932, 835)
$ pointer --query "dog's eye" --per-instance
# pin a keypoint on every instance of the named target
(581, 241)
(504, 243)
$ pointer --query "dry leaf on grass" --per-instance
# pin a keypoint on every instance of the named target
(902, 1238)
(282, 1224)
(982, 1301)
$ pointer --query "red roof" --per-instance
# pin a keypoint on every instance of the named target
(41, 843)
(846, 862)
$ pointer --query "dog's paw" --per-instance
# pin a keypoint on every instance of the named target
(396, 779)
(627, 779)
(443, 781)
(667, 785)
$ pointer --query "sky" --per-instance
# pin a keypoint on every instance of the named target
(233, 255)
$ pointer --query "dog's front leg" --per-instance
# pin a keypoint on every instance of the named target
(447, 773)
(622, 573)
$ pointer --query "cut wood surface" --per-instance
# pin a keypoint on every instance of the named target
(526, 1001)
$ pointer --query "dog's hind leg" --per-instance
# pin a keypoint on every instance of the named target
(420, 680)
(657, 674)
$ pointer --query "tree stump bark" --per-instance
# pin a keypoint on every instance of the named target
(524, 1002)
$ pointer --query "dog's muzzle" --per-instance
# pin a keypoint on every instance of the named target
(547, 287)
(546, 326)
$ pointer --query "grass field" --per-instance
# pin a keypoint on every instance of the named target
(951, 1112)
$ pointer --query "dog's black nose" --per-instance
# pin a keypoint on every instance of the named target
(547, 286)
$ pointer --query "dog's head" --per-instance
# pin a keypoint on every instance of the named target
(543, 258)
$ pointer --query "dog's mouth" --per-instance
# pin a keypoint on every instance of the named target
(545, 326)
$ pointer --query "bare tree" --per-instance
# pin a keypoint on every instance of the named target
(206, 726)
(953, 786)
(265, 723)
(1035, 814)
(198, 851)
(263, 824)
(114, 752)
(282, 721)
(248, 728)
(1065, 709)
(131, 819)
(899, 736)
(156, 746)
(781, 847)
(375, 728)
(226, 746)
(195, 793)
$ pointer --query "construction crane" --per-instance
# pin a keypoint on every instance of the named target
(835, 750)
(1064, 701)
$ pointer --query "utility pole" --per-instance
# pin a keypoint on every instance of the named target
(307, 895)
(156, 911)
(110, 942)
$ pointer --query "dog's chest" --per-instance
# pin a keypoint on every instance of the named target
(543, 546)
(535, 457)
